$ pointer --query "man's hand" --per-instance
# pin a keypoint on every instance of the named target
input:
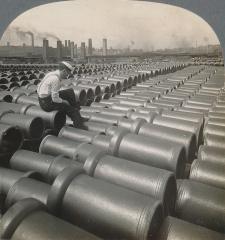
(66, 102)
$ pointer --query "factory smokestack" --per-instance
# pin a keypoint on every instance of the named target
(83, 50)
(59, 51)
(75, 49)
(72, 50)
(104, 46)
(45, 50)
(90, 47)
(69, 45)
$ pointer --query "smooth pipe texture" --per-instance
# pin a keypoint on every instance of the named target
(211, 154)
(184, 116)
(16, 214)
(192, 110)
(55, 119)
(24, 99)
(153, 182)
(97, 127)
(197, 106)
(214, 140)
(16, 108)
(187, 139)
(114, 112)
(54, 146)
(110, 211)
(214, 129)
(185, 125)
(28, 219)
(153, 152)
(201, 204)
(216, 121)
(103, 209)
(48, 166)
(208, 173)
(9, 177)
(216, 115)
(176, 229)
(123, 107)
(103, 118)
(77, 135)
(26, 188)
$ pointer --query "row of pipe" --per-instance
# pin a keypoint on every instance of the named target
(105, 175)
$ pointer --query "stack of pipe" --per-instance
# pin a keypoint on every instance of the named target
(157, 148)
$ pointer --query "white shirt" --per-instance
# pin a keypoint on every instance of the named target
(50, 85)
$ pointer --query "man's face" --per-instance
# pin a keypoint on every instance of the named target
(65, 73)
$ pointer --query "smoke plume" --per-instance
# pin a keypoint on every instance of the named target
(38, 35)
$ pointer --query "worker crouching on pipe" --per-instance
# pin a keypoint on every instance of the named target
(51, 98)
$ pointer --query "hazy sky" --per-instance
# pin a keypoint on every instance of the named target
(123, 23)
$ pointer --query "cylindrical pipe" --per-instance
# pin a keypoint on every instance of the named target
(26, 188)
(192, 205)
(208, 173)
(16, 108)
(114, 112)
(79, 92)
(216, 115)
(211, 154)
(11, 138)
(193, 110)
(184, 116)
(96, 127)
(176, 229)
(32, 127)
(198, 106)
(55, 146)
(77, 135)
(27, 220)
(214, 141)
(153, 152)
(48, 166)
(153, 182)
(187, 139)
(216, 121)
(196, 128)
(24, 99)
(214, 129)
(9, 177)
(113, 212)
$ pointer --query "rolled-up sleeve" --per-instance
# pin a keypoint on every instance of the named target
(55, 87)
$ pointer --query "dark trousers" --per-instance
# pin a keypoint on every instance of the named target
(71, 110)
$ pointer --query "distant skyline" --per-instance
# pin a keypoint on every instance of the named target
(138, 24)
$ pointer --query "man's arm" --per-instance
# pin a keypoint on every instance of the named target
(55, 87)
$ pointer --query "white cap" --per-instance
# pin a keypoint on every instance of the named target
(68, 65)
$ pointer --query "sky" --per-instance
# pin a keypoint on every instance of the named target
(137, 24)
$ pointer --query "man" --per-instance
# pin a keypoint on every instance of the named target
(51, 98)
